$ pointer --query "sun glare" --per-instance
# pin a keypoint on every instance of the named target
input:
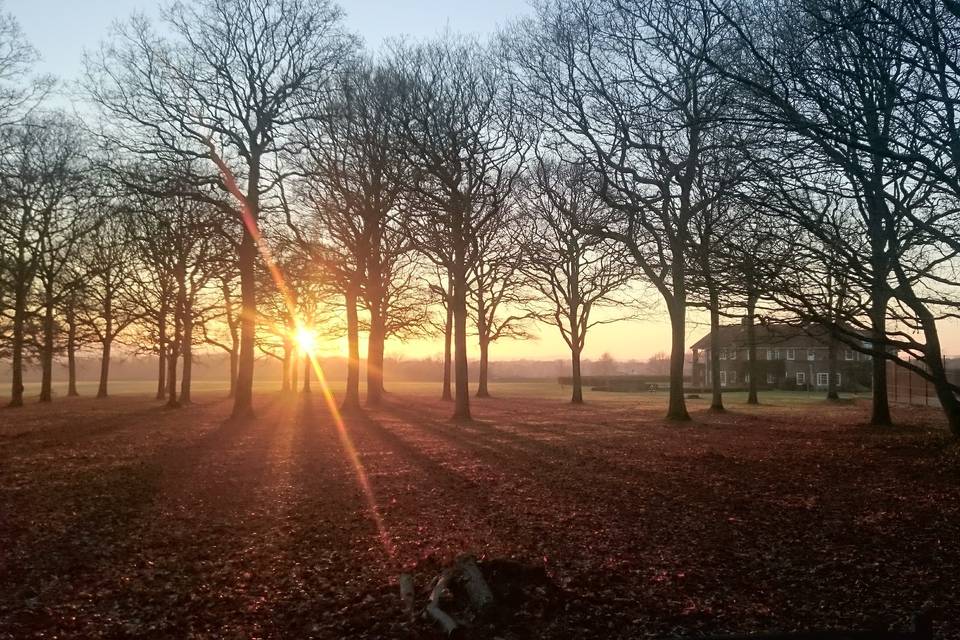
(306, 339)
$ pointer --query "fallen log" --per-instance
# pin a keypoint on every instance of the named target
(477, 589)
(441, 588)
(407, 595)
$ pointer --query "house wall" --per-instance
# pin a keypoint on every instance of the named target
(779, 367)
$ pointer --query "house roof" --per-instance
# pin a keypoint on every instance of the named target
(767, 335)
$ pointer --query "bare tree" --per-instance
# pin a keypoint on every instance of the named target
(219, 93)
(458, 131)
(577, 274)
(624, 87)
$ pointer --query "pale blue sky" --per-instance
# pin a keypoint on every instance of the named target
(62, 29)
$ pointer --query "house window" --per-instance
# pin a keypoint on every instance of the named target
(801, 377)
(733, 354)
(811, 354)
(769, 354)
(823, 379)
(746, 377)
(723, 354)
(791, 354)
(771, 379)
(723, 378)
(838, 379)
(848, 354)
(732, 377)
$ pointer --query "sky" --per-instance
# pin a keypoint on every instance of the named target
(62, 30)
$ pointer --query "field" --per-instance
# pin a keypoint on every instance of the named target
(119, 518)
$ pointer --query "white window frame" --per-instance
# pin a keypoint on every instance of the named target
(732, 378)
(769, 354)
(801, 377)
(771, 379)
(791, 354)
(723, 354)
(848, 354)
(723, 378)
(811, 355)
(838, 378)
(823, 378)
(733, 354)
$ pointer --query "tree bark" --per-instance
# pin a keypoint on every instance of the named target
(351, 396)
(448, 344)
(577, 378)
(286, 365)
(832, 367)
(461, 409)
(375, 353)
(107, 346)
(247, 263)
(677, 408)
(483, 390)
(71, 354)
(186, 348)
(162, 351)
(880, 409)
(716, 391)
(752, 350)
(19, 320)
(174, 355)
(306, 374)
(46, 354)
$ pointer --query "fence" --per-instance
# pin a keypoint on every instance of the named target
(905, 386)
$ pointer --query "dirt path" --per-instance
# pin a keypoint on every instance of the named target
(122, 519)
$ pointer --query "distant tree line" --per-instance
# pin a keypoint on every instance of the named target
(253, 171)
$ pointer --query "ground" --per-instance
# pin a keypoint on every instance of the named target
(119, 518)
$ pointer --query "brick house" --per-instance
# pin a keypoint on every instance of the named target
(788, 357)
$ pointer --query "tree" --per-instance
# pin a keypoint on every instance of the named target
(111, 308)
(624, 87)
(837, 87)
(352, 179)
(576, 273)
(219, 96)
(459, 133)
(39, 179)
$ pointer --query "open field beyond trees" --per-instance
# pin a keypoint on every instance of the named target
(119, 518)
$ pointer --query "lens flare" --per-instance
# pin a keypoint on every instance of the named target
(306, 339)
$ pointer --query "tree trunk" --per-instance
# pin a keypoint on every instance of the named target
(186, 348)
(577, 378)
(880, 410)
(716, 391)
(295, 369)
(234, 364)
(484, 372)
(448, 344)
(46, 354)
(351, 396)
(107, 346)
(174, 355)
(677, 409)
(306, 374)
(752, 351)
(461, 409)
(71, 354)
(19, 319)
(162, 352)
(832, 367)
(375, 349)
(286, 365)
(247, 263)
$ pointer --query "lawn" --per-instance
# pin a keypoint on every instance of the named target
(119, 518)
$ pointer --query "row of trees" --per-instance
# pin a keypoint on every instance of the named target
(261, 173)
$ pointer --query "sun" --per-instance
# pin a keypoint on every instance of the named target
(306, 339)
